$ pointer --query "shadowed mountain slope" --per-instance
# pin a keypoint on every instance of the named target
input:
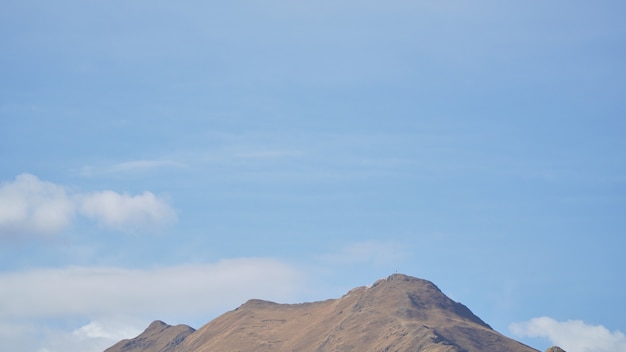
(399, 313)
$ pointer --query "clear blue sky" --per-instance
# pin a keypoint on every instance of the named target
(164, 160)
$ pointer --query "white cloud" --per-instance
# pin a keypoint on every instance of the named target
(117, 303)
(96, 336)
(114, 330)
(125, 212)
(32, 207)
(183, 289)
(20, 336)
(572, 335)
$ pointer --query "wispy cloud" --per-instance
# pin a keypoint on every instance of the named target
(267, 154)
(140, 165)
(572, 335)
(30, 207)
(372, 252)
(132, 166)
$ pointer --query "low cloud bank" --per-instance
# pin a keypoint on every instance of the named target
(572, 335)
(30, 207)
(108, 304)
(96, 336)
(182, 289)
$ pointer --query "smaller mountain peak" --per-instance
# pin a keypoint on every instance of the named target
(555, 349)
(157, 324)
(257, 303)
(403, 278)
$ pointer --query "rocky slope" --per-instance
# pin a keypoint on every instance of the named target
(399, 313)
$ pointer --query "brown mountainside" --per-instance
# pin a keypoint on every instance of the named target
(157, 337)
(399, 313)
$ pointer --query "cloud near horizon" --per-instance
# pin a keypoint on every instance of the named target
(95, 336)
(107, 304)
(30, 207)
(78, 291)
(572, 335)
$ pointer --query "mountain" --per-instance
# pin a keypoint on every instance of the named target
(399, 313)
(158, 337)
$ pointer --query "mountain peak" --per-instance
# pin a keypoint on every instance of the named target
(419, 298)
(398, 313)
(157, 325)
(402, 282)
(404, 277)
(158, 337)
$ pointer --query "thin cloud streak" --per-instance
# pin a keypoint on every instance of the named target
(140, 165)
(133, 166)
(268, 154)
(373, 252)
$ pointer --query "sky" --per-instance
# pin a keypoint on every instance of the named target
(171, 160)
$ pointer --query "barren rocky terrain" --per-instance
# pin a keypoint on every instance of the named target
(398, 313)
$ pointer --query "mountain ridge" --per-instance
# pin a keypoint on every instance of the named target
(398, 313)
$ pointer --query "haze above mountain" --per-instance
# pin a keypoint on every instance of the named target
(399, 313)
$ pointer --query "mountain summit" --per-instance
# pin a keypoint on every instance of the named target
(399, 313)
(157, 337)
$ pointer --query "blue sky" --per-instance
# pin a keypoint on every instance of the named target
(170, 161)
